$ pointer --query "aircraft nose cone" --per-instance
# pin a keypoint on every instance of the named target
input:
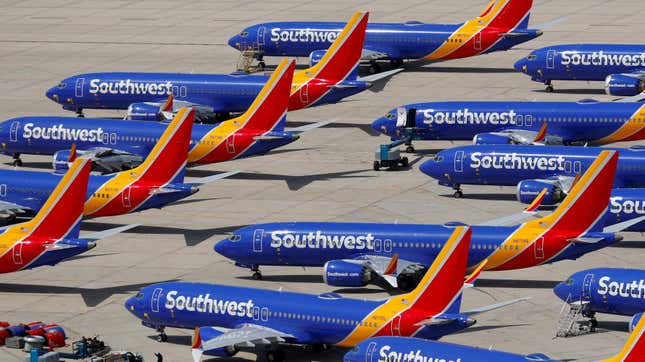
(223, 248)
(380, 125)
(234, 41)
(561, 291)
(51, 94)
(130, 305)
(431, 168)
(521, 66)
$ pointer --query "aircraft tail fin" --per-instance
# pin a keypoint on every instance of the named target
(341, 61)
(268, 112)
(507, 14)
(166, 163)
(440, 289)
(634, 348)
(584, 207)
(61, 214)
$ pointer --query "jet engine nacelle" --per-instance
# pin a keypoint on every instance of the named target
(490, 139)
(143, 112)
(340, 273)
(623, 85)
(634, 322)
(316, 56)
(208, 333)
(61, 162)
(527, 190)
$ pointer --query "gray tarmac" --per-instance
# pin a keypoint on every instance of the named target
(325, 176)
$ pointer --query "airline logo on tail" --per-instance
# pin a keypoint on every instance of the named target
(440, 287)
(128, 190)
(231, 138)
(538, 241)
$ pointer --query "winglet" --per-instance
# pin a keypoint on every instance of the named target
(167, 107)
(392, 266)
(72, 153)
(197, 339)
(541, 135)
(443, 282)
(634, 348)
(574, 182)
(533, 206)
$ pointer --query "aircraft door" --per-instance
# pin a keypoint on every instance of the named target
(125, 197)
(586, 287)
(261, 31)
(550, 59)
(459, 161)
(257, 240)
(304, 93)
(539, 248)
(395, 327)
(80, 83)
(370, 351)
(377, 245)
(17, 254)
(478, 41)
(13, 131)
(387, 245)
(230, 143)
(154, 301)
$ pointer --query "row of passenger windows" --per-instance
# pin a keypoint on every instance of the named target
(101, 195)
(315, 318)
(155, 140)
(439, 246)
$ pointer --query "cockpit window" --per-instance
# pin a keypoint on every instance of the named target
(569, 281)
(355, 349)
(532, 57)
(244, 34)
(390, 116)
(139, 295)
(438, 158)
(62, 85)
(236, 237)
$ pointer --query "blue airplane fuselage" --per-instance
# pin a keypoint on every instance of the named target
(587, 121)
(606, 290)
(402, 349)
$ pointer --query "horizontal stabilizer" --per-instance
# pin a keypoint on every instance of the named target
(109, 232)
(379, 76)
(267, 138)
(584, 240)
(309, 127)
(623, 225)
(488, 308)
(208, 179)
(549, 24)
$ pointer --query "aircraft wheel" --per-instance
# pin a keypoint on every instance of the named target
(549, 88)
(377, 165)
(163, 337)
(374, 68)
(409, 149)
(257, 276)
(275, 355)
(458, 194)
(396, 62)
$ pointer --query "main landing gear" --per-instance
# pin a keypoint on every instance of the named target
(79, 113)
(257, 275)
(374, 67)
(17, 162)
(275, 355)
(549, 86)
(162, 337)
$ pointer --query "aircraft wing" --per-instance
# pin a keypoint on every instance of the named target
(308, 127)
(529, 211)
(107, 159)
(526, 137)
(623, 225)
(369, 54)
(386, 267)
(638, 74)
(109, 232)
(245, 335)
(12, 208)
(494, 306)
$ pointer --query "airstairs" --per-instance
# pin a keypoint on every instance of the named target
(573, 321)
(246, 59)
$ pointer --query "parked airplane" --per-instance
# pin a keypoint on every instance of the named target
(158, 181)
(353, 254)
(53, 234)
(226, 318)
(145, 95)
(605, 290)
(515, 122)
(119, 145)
(621, 66)
(399, 349)
(530, 168)
(502, 25)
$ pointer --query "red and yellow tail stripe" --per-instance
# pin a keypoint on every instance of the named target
(339, 61)
(462, 42)
(438, 289)
(59, 215)
(632, 130)
(128, 190)
(538, 241)
(634, 349)
(231, 138)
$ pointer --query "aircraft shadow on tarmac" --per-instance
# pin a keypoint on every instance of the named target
(192, 236)
(487, 196)
(294, 183)
(485, 328)
(294, 278)
(573, 91)
(91, 296)
(615, 326)
(416, 66)
(516, 283)
(629, 244)
(365, 127)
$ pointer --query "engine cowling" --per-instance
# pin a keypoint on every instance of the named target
(623, 85)
(527, 190)
(634, 322)
(143, 111)
(60, 161)
(340, 273)
(316, 56)
(208, 333)
(490, 139)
